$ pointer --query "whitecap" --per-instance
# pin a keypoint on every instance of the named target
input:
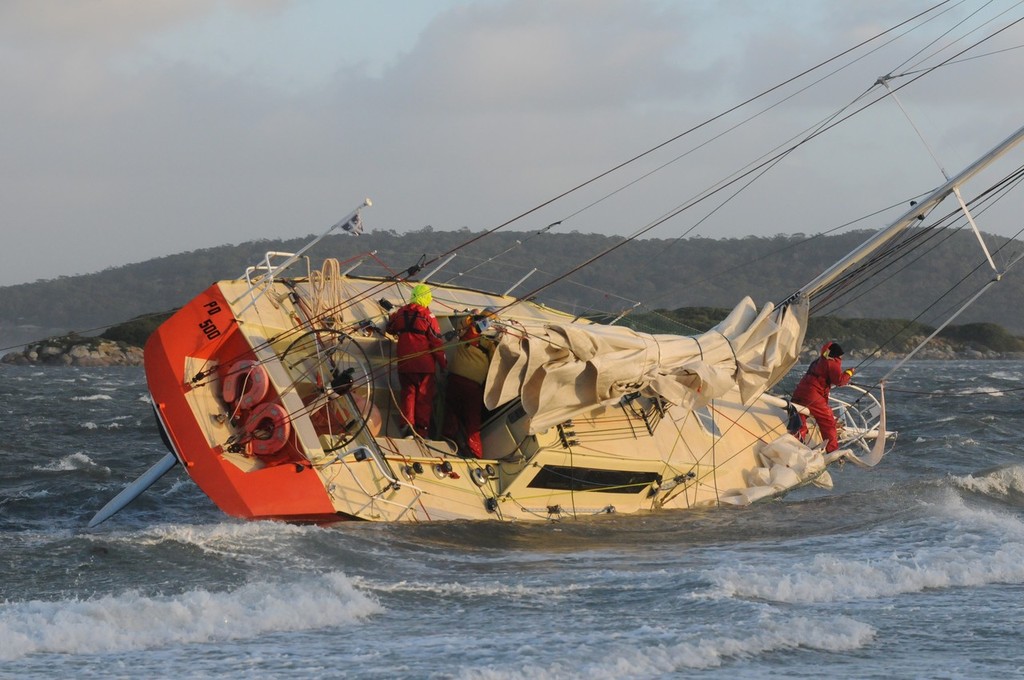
(94, 397)
(966, 560)
(74, 461)
(987, 391)
(829, 578)
(248, 540)
(131, 621)
(1001, 482)
(494, 589)
(31, 495)
(599, 660)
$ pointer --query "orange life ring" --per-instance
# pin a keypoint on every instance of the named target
(268, 429)
(254, 388)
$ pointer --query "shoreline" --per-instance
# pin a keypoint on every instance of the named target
(89, 352)
(76, 351)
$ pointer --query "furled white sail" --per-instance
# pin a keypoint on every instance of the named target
(563, 370)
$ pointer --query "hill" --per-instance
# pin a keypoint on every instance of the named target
(121, 345)
(657, 273)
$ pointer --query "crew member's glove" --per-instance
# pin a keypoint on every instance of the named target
(849, 372)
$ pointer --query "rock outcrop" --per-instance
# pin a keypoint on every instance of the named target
(77, 351)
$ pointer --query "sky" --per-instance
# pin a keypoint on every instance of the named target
(133, 130)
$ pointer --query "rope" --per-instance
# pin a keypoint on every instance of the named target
(326, 292)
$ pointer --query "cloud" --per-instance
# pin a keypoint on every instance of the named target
(141, 129)
(535, 56)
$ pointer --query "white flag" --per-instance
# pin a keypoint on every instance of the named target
(354, 226)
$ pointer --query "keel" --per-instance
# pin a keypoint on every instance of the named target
(134, 490)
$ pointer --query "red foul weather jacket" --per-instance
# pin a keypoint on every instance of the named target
(419, 339)
(821, 375)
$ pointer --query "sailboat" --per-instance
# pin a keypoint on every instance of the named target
(277, 393)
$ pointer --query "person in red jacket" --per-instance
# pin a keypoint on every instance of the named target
(419, 355)
(824, 373)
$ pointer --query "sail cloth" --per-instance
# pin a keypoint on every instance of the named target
(562, 370)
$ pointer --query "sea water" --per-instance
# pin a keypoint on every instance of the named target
(914, 569)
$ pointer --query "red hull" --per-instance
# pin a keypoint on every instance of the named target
(284, 487)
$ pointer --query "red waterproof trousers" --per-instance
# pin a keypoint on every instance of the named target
(417, 400)
(813, 392)
(463, 399)
(826, 424)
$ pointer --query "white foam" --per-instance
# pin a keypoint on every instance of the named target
(473, 590)
(982, 547)
(94, 397)
(74, 461)
(600, 660)
(178, 486)
(232, 538)
(130, 621)
(1000, 482)
(988, 391)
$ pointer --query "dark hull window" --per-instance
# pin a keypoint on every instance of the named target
(592, 479)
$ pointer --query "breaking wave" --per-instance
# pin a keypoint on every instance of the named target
(599, 661)
(74, 461)
(995, 554)
(131, 621)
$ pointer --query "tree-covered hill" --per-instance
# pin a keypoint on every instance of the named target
(657, 273)
(859, 337)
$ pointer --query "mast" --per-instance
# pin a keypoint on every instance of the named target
(910, 217)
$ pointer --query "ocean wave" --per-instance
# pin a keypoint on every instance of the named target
(74, 461)
(1006, 483)
(829, 577)
(250, 540)
(131, 621)
(94, 397)
(92, 425)
(471, 590)
(986, 390)
(600, 660)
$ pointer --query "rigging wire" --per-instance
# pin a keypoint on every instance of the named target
(790, 149)
(423, 262)
(947, 32)
(971, 58)
(1015, 178)
(1003, 187)
(708, 141)
(694, 202)
(951, 29)
(685, 133)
